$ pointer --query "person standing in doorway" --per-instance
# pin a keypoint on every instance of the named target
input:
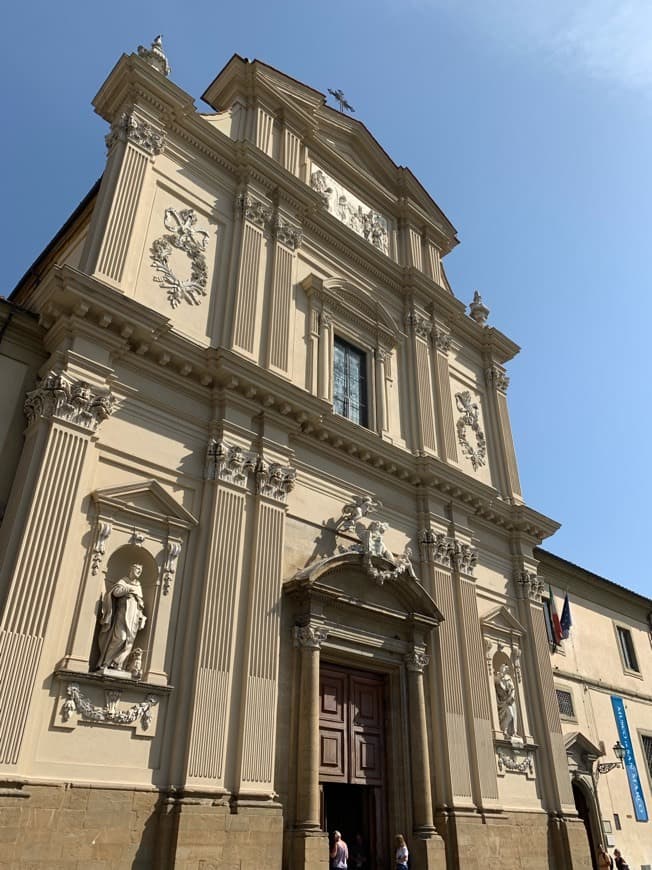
(339, 853)
(402, 853)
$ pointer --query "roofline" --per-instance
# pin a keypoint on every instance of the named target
(33, 270)
(592, 576)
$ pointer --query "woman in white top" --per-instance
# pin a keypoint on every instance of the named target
(339, 853)
(401, 853)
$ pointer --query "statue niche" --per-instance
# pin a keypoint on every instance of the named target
(505, 689)
(124, 615)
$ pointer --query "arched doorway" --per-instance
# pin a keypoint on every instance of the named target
(586, 812)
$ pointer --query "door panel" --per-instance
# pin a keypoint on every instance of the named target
(351, 728)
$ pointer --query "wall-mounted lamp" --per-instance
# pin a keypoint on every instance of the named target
(619, 752)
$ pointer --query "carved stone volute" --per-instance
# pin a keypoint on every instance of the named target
(74, 401)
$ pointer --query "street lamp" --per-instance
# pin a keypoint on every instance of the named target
(619, 752)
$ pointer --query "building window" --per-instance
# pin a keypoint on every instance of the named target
(646, 740)
(627, 648)
(617, 822)
(565, 702)
(349, 381)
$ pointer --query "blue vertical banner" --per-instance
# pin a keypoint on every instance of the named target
(630, 762)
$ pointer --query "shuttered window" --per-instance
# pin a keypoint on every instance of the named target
(350, 382)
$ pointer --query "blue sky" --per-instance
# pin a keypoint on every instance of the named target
(529, 122)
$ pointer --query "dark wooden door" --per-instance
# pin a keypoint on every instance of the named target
(351, 732)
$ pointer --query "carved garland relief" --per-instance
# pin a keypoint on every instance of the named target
(470, 419)
(184, 237)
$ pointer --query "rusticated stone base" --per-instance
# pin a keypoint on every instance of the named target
(307, 850)
(520, 841)
(66, 827)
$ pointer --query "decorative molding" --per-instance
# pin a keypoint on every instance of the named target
(73, 401)
(496, 377)
(110, 714)
(470, 418)
(103, 532)
(129, 128)
(442, 549)
(309, 636)
(416, 661)
(351, 211)
(229, 463)
(173, 550)
(183, 236)
(478, 310)
(273, 480)
(513, 762)
(155, 56)
(421, 326)
(254, 211)
(441, 339)
(530, 584)
(286, 233)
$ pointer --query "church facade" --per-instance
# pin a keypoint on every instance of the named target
(267, 570)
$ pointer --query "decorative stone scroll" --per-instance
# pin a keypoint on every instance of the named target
(184, 237)
(274, 480)
(350, 210)
(441, 339)
(286, 233)
(155, 56)
(103, 532)
(309, 636)
(447, 551)
(470, 419)
(70, 400)
(255, 211)
(78, 705)
(129, 128)
(422, 326)
(173, 550)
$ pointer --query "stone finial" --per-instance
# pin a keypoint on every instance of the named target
(478, 310)
(155, 56)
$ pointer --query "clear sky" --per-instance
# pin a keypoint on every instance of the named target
(530, 123)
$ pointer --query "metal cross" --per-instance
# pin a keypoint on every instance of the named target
(339, 96)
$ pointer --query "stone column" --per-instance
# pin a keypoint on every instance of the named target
(255, 219)
(441, 341)
(311, 844)
(280, 320)
(63, 415)
(415, 663)
(424, 436)
(324, 378)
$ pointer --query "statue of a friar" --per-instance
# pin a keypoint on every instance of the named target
(123, 616)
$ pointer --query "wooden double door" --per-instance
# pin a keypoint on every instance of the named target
(352, 760)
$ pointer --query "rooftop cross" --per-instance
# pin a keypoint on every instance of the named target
(339, 96)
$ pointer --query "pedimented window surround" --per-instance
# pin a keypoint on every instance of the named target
(339, 308)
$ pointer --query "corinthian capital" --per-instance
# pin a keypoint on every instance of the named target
(416, 661)
(70, 400)
(309, 636)
(529, 584)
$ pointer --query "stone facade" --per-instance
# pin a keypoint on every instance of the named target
(266, 565)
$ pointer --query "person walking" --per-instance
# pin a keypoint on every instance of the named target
(605, 861)
(339, 853)
(621, 864)
(402, 853)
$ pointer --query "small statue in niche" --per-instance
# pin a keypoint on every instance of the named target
(123, 616)
(506, 699)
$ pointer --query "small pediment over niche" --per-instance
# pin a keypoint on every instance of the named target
(500, 621)
(581, 752)
(145, 499)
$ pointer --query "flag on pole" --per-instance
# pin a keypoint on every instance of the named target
(565, 622)
(556, 625)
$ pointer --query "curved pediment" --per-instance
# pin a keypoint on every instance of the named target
(380, 585)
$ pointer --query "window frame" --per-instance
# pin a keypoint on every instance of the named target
(645, 734)
(365, 381)
(565, 717)
(621, 631)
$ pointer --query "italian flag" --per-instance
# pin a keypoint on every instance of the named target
(556, 625)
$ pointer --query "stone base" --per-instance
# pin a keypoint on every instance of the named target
(520, 841)
(307, 850)
(427, 852)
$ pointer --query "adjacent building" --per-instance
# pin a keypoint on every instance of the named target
(266, 568)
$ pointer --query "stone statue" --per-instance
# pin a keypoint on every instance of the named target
(506, 698)
(123, 616)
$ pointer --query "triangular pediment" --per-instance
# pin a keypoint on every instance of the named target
(502, 621)
(579, 745)
(144, 499)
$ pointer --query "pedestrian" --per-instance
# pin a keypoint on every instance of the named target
(358, 853)
(621, 864)
(339, 853)
(402, 853)
(605, 862)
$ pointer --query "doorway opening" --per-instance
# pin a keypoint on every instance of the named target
(584, 812)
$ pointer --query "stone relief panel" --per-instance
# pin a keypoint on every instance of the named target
(470, 436)
(351, 211)
(182, 235)
(78, 707)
